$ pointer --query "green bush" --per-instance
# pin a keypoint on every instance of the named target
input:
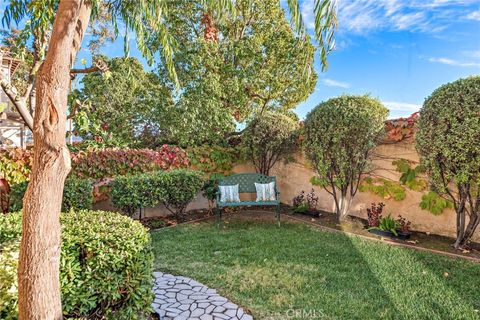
(340, 134)
(77, 195)
(269, 138)
(175, 189)
(104, 274)
(178, 188)
(447, 142)
(131, 192)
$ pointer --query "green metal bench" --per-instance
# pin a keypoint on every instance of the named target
(246, 184)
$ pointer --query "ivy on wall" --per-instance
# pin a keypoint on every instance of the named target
(411, 179)
(434, 203)
(409, 176)
(387, 189)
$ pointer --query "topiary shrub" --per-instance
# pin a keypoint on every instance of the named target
(178, 188)
(268, 138)
(132, 192)
(339, 136)
(175, 189)
(77, 194)
(104, 274)
(448, 144)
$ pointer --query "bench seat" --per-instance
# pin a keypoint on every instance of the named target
(246, 184)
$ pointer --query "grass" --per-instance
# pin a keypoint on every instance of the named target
(299, 272)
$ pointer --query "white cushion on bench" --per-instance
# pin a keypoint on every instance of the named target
(265, 191)
(229, 193)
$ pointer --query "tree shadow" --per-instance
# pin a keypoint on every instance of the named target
(294, 273)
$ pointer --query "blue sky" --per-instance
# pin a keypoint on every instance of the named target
(396, 50)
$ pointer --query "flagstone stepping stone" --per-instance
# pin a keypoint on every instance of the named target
(178, 297)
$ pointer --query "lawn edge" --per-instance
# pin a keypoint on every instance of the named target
(386, 241)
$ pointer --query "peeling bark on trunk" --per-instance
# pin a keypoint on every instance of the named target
(38, 269)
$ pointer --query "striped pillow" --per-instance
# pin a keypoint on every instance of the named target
(265, 191)
(229, 193)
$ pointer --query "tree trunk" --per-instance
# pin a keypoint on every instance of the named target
(473, 223)
(460, 212)
(39, 262)
(342, 205)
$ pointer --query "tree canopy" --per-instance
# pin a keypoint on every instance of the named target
(339, 135)
(268, 138)
(232, 67)
(447, 142)
(127, 106)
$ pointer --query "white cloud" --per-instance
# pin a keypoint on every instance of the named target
(472, 54)
(402, 106)
(452, 62)
(364, 16)
(474, 15)
(334, 83)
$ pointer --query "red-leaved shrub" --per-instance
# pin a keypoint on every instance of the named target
(112, 162)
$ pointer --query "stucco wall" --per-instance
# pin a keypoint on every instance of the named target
(295, 176)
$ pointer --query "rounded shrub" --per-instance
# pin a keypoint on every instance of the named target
(268, 138)
(340, 134)
(178, 188)
(105, 268)
(131, 192)
(448, 144)
(77, 195)
(175, 189)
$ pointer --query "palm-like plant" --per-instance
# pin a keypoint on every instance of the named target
(55, 30)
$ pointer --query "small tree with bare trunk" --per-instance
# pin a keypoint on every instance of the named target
(448, 144)
(339, 137)
(57, 28)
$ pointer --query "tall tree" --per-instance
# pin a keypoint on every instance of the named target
(234, 66)
(340, 134)
(58, 26)
(268, 138)
(124, 107)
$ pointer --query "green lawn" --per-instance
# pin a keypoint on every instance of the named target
(278, 272)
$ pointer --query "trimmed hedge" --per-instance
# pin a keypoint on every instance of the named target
(77, 195)
(175, 189)
(130, 192)
(106, 266)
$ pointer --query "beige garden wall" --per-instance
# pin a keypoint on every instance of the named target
(294, 177)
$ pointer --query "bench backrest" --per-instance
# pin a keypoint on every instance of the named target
(246, 181)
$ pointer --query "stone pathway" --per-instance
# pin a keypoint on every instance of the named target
(178, 298)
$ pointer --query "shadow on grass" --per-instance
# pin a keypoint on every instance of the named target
(423, 285)
(292, 272)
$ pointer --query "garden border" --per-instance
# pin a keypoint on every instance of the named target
(328, 229)
(384, 240)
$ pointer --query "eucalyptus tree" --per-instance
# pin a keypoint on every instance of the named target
(56, 28)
